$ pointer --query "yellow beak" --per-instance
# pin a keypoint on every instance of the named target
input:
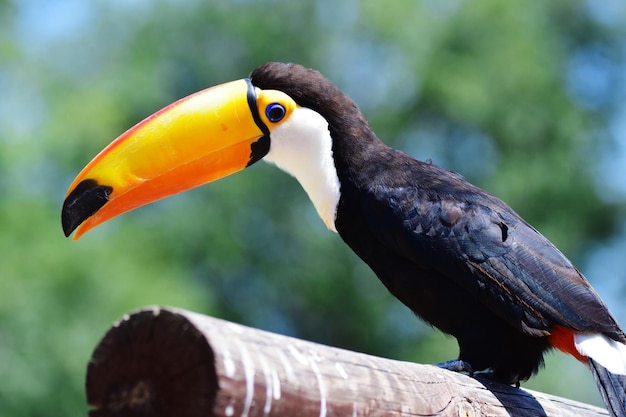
(198, 139)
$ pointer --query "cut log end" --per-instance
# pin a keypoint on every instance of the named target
(156, 364)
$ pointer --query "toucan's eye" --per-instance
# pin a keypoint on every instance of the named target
(275, 112)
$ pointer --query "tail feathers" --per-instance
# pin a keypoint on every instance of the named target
(612, 387)
(607, 360)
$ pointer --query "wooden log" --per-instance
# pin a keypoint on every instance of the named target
(175, 363)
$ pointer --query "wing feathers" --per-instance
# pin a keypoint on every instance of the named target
(482, 245)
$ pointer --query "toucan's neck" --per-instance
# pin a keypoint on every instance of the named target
(357, 151)
(327, 143)
(326, 157)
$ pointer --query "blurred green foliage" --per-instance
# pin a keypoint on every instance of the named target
(488, 88)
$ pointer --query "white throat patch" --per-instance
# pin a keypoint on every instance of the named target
(302, 147)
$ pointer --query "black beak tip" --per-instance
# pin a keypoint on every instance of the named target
(83, 202)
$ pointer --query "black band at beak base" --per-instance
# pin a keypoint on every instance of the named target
(261, 147)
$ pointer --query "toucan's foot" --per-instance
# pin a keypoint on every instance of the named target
(457, 365)
(490, 375)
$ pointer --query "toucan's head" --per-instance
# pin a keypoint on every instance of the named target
(283, 113)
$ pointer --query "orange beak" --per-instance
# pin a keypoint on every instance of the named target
(198, 139)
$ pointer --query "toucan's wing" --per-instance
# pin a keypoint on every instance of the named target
(480, 244)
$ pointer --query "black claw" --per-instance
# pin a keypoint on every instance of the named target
(83, 202)
(492, 376)
(457, 365)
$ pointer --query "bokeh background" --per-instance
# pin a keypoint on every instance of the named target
(525, 99)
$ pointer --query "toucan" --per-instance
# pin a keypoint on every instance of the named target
(458, 257)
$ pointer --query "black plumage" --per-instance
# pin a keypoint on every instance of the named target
(458, 257)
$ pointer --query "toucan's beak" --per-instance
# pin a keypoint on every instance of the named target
(200, 138)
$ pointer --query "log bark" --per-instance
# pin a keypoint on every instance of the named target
(170, 362)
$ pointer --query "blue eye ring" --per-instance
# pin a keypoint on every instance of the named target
(275, 112)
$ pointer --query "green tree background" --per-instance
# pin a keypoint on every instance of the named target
(525, 99)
